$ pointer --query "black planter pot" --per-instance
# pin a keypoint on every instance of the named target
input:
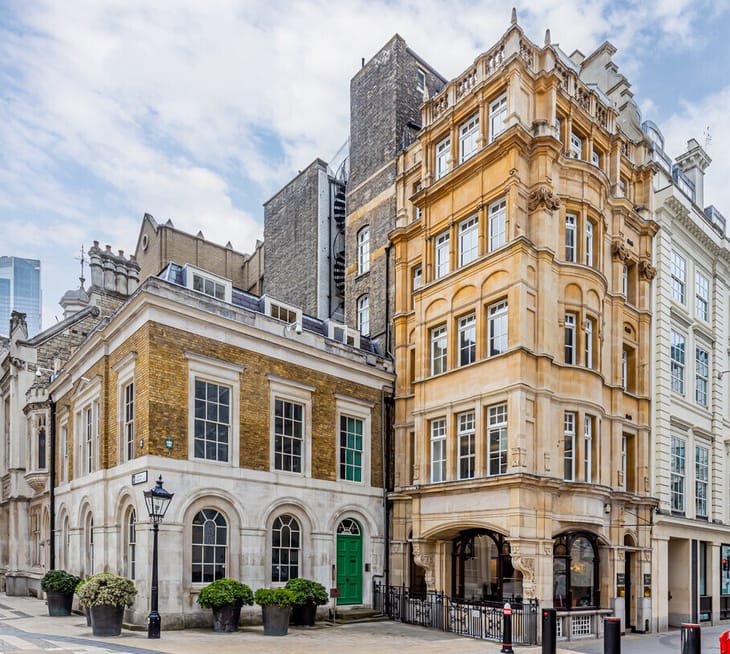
(276, 620)
(227, 617)
(59, 604)
(304, 615)
(106, 620)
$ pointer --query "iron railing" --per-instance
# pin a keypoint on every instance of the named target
(476, 619)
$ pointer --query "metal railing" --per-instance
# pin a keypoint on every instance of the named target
(476, 619)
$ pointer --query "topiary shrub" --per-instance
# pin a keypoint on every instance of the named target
(106, 588)
(274, 597)
(224, 591)
(307, 591)
(59, 581)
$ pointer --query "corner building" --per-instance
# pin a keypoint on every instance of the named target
(522, 327)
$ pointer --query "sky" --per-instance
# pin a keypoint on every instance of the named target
(198, 112)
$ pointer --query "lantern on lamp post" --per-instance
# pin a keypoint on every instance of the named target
(157, 500)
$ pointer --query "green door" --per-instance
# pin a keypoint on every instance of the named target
(349, 562)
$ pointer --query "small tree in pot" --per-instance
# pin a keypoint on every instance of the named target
(275, 609)
(226, 597)
(59, 587)
(107, 595)
(308, 595)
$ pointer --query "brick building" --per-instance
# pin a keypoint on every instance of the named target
(264, 422)
(26, 409)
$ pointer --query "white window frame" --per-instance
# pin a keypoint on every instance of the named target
(363, 250)
(466, 439)
(677, 355)
(625, 281)
(497, 212)
(702, 480)
(702, 375)
(125, 369)
(624, 455)
(497, 116)
(443, 154)
(678, 471)
(702, 296)
(588, 429)
(297, 393)
(571, 221)
(87, 427)
(467, 336)
(596, 159)
(420, 80)
(497, 427)
(441, 255)
(350, 407)
(222, 288)
(130, 543)
(589, 242)
(497, 328)
(576, 146)
(468, 240)
(282, 311)
(679, 277)
(223, 373)
(416, 281)
(63, 449)
(468, 137)
(588, 334)
(437, 430)
(569, 422)
(624, 369)
(439, 349)
(570, 348)
(363, 314)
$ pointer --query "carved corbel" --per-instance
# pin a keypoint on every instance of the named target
(545, 197)
(647, 271)
(619, 250)
(424, 560)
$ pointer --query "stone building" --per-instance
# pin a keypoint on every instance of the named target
(691, 407)
(522, 326)
(338, 264)
(266, 424)
(159, 244)
(26, 412)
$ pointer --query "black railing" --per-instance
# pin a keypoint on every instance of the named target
(475, 619)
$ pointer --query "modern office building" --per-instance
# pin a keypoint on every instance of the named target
(20, 290)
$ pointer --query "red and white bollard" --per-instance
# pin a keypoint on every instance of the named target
(507, 629)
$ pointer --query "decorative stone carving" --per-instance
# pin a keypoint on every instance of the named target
(647, 270)
(424, 560)
(545, 197)
(620, 250)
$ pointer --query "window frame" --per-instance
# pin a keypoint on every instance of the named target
(576, 146)
(223, 373)
(297, 566)
(702, 376)
(469, 135)
(590, 243)
(678, 345)
(225, 286)
(588, 336)
(570, 347)
(87, 427)
(497, 424)
(349, 407)
(468, 231)
(209, 513)
(466, 444)
(465, 327)
(363, 250)
(497, 110)
(363, 314)
(570, 419)
(678, 473)
(678, 269)
(125, 369)
(588, 436)
(702, 296)
(441, 266)
(702, 480)
(296, 393)
(571, 226)
(497, 221)
(438, 449)
(497, 327)
(443, 154)
(438, 336)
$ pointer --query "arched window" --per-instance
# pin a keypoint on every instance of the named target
(210, 545)
(63, 558)
(285, 548)
(575, 571)
(130, 544)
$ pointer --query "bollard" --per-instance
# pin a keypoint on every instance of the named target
(691, 643)
(612, 636)
(549, 630)
(507, 629)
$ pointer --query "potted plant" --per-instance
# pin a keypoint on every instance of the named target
(107, 595)
(59, 587)
(308, 595)
(87, 611)
(275, 609)
(226, 597)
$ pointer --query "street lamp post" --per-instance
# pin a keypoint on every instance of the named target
(157, 500)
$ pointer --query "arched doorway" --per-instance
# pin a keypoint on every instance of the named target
(575, 571)
(349, 562)
(482, 568)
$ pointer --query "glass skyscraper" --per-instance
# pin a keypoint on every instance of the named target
(20, 290)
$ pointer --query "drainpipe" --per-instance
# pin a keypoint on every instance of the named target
(388, 352)
(386, 422)
(52, 484)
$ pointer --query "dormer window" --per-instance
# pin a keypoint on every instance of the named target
(208, 283)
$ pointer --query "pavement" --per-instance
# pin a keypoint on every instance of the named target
(26, 627)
